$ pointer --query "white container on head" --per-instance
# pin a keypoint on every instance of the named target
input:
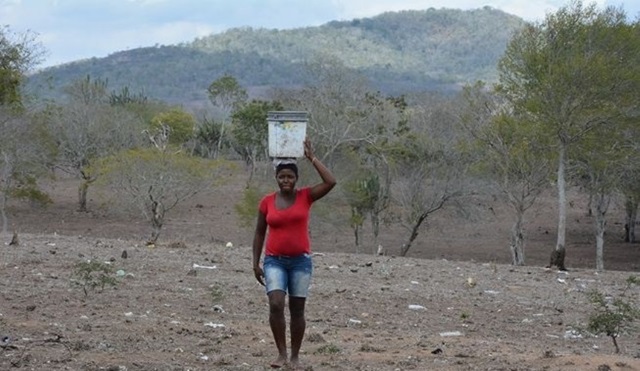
(287, 132)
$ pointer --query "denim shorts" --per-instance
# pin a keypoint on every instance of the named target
(289, 274)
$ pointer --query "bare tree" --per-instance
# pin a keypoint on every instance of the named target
(431, 173)
(336, 99)
(88, 128)
(158, 179)
(425, 188)
(370, 161)
(511, 156)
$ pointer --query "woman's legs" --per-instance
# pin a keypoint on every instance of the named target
(278, 326)
(290, 275)
(298, 325)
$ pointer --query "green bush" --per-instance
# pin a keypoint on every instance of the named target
(613, 316)
(328, 349)
(247, 207)
(93, 274)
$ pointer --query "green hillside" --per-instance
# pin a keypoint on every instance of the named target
(398, 51)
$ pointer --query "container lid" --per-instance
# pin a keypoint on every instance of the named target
(288, 116)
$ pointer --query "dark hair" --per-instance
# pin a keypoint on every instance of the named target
(290, 166)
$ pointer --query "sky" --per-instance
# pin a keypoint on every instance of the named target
(71, 30)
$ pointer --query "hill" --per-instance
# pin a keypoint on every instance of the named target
(399, 52)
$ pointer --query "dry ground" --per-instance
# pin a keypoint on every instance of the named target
(365, 312)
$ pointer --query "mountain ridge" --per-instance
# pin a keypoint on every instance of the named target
(399, 52)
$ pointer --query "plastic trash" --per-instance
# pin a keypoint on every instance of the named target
(214, 325)
(451, 333)
(204, 266)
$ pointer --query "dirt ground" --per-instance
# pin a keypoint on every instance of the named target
(191, 302)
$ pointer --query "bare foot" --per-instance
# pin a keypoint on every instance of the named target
(295, 365)
(279, 362)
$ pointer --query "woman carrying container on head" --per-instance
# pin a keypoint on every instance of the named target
(287, 264)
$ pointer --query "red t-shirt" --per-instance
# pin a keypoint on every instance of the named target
(288, 233)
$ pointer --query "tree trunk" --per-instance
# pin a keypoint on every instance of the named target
(375, 226)
(517, 240)
(3, 212)
(601, 207)
(251, 165)
(600, 221)
(157, 220)
(5, 180)
(557, 259)
(357, 220)
(631, 209)
(252, 169)
(404, 249)
(155, 233)
(615, 342)
(82, 196)
(220, 139)
(83, 189)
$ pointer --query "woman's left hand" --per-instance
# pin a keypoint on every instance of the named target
(308, 151)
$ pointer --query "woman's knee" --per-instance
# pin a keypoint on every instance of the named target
(276, 302)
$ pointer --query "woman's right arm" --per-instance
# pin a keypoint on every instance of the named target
(258, 242)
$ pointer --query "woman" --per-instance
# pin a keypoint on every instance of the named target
(287, 262)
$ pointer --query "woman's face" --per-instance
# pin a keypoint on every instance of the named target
(286, 179)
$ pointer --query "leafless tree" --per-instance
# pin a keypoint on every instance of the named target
(336, 99)
(157, 179)
(88, 128)
(431, 172)
(509, 154)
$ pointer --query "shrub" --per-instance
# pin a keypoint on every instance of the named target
(613, 316)
(328, 349)
(93, 274)
(247, 207)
